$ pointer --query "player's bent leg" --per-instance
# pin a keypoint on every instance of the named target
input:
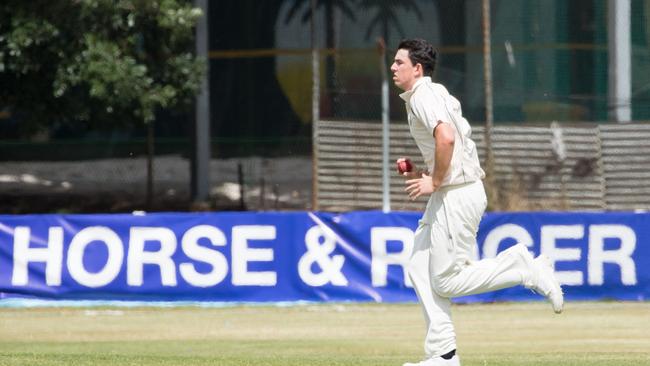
(510, 268)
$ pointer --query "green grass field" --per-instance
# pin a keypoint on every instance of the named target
(589, 334)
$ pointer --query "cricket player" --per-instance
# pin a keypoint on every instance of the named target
(441, 266)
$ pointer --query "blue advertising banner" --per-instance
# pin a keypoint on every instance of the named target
(298, 256)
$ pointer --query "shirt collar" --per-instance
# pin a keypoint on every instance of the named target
(406, 96)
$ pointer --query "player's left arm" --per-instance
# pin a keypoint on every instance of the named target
(444, 137)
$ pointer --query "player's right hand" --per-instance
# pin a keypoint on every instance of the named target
(414, 173)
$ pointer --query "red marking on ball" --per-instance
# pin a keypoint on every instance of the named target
(404, 166)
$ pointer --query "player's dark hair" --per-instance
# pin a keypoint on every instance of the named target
(420, 52)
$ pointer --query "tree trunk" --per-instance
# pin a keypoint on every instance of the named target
(150, 157)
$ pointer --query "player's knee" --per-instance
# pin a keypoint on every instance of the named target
(518, 252)
(441, 287)
(517, 249)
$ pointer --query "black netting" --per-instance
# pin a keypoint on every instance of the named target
(550, 62)
(549, 57)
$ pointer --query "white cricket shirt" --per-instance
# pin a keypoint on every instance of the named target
(428, 104)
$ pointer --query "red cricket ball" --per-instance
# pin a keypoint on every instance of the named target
(404, 165)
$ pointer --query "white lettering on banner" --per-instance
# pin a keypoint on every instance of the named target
(76, 254)
(320, 245)
(496, 236)
(550, 233)
(622, 256)
(138, 257)
(381, 259)
(597, 255)
(242, 254)
(52, 255)
(207, 264)
(191, 247)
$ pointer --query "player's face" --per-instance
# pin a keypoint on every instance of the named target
(405, 74)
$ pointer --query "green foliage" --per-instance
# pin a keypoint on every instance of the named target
(99, 62)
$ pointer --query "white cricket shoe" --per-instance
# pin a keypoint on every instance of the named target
(546, 283)
(436, 361)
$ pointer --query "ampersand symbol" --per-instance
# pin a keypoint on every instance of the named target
(319, 247)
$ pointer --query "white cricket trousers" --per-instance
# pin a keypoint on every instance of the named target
(442, 264)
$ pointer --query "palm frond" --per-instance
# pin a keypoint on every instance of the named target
(345, 9)
(297, 4)
(372, 25)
